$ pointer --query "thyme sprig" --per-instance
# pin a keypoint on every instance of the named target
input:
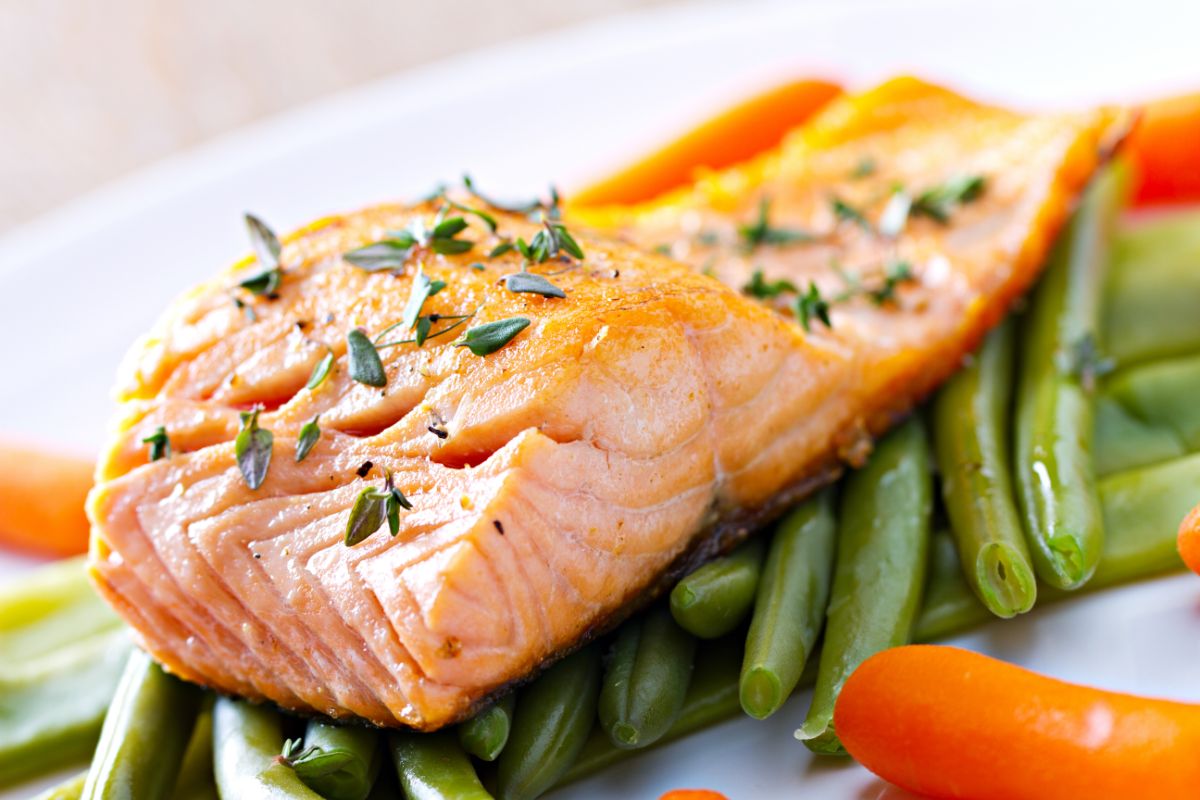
(373, 507)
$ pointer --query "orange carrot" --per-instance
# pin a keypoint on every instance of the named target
(946, 722)
(732, 136)
(693, 794)
(1189, 540)
(41, 500)
(1165, 146)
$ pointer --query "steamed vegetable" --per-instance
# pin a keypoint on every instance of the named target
(714, 599)
(1163, 148)
(646, 680)
(790, 607)
(1189, 540)
(1061, 363)
(944, 722)
(42, 494)
(145, 734)
(734, 135)
(485, 734)
(551, 724)
(972, 427)
(432, 766)
(882, 552)
(63, 653)
(247, 742)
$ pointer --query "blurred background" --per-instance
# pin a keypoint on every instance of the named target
(93, 89)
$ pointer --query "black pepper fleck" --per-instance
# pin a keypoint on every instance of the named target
(438, 432)
(499, 527)
(364, 469)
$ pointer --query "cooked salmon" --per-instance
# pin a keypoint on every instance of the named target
(543, 479)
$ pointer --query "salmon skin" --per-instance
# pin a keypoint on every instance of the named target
(648, 418)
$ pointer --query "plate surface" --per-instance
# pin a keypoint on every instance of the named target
(78, 285)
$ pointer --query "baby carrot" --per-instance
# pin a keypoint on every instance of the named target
(734, 135)
(1163, 146)
(41, 500)
(692, 794)
(945, 722)
(1189, 540)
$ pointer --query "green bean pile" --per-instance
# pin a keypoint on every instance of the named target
(1032, 475)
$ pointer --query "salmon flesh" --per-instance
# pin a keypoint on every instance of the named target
(717, 354)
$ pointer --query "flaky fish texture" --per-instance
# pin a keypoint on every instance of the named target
(651, 417)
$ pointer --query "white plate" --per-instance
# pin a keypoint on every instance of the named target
(79, 284)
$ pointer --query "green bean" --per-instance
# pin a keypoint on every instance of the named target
(432, 766)
(1142, 510)
(1142, 507)
(550, 726)
(338, 762)
(883, 550)
(712, 696)
(246, 740)
(50, 717)
(51, 608)
(195, 780)
(145, 734)
(1125, 442)
(646, 681)
(790, 608)
(1163, 393)
(70, 789)
(1154, 290)
(714, 599)
(971, 439)
(486, 733)
(1055, 477)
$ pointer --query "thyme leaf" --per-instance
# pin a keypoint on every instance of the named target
(309, 435)
(365, 364)
(760, 288)
(483, 340)
(253, 448)
(160, 444)
(762, 232)
(811, 305)
(528, 282)
(320, 371)
(939, 202)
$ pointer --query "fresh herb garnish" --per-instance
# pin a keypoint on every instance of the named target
(550, 241)
(848, 213)
(504, 247)
(762, 232)
(528, 282)
(940, 201)
(484, 217)
(312, 762)
(372, 507)
(388, 254)
(365, 365)
(442, 238)
(267, 250)
(253, 448)
(550, 207)
(896, 273)
(246, 309)
(320, 371)
(393, 252)
(865, 168)
(1086, 363)
(811, 305)
(486, 339)
(423, 288)
(309, 434)
(160, 444)
(760, 288)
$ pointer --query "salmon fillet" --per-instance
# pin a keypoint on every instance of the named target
(648, 419)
